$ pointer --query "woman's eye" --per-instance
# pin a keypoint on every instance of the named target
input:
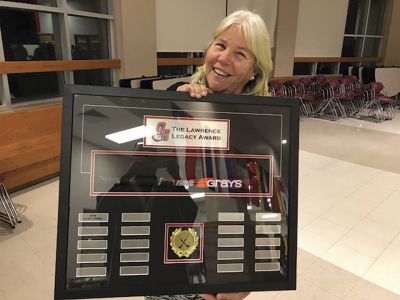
(241, 54)
(220, 45)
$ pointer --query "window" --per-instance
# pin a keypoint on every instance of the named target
(34, 30)
(364, 28)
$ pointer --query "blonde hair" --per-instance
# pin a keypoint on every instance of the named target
(256, 35)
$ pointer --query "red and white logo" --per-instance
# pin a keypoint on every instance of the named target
(162, 132)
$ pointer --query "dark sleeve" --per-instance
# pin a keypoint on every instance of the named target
(176, 85)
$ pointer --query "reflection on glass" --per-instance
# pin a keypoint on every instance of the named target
(93, 77)
(351, 46)
(356, 17)
(88, 38)
(29, 35)
(371, 46)
(376, 17)
(97, 6)
(34, 86)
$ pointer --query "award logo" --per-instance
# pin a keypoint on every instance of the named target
(184, 242)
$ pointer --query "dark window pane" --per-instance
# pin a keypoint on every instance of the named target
(89, 38)
(34, 86)
(351, 46)
(301, 68)
(356, 17)
(93, 77)
(39, 2)
(326, 68)
(344, 68)
(97, 6)
(371, 46)
(376, 17)
(30, 35)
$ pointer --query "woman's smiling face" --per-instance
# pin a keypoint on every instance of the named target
(229, 63)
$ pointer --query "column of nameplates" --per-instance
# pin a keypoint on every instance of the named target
(230, 256)
(135, 244)
(92, 245)
(268, 241)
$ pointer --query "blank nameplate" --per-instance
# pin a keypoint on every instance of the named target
(268, 229)
(134, 257)
(270, 242)
(229, 268)
(92, 244)
(91, 258)
(93, 231)
(230, 242)
(230, 229)
(267, 267)
(267, 254)
(133, 270)
(91, 272)
(136, 217)
(268, 217)
(230, 255)
(135, 230)
(93, 217)
(231, 217)
(135, 244)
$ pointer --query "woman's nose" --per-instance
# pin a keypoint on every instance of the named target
(224, 57)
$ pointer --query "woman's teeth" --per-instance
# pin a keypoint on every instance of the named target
(221, 73)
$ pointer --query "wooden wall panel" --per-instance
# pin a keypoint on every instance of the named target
(29, 145)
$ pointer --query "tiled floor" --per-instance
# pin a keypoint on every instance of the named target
(349, 229)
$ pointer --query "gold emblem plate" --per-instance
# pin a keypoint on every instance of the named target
(184, 241)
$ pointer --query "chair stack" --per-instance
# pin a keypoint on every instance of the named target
(338, 98)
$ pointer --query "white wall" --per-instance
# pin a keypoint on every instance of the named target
(186, 25)
(320, 28)
(267, 9)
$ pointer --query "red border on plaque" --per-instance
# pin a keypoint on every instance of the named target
(166, 243)
(143, 153)
(191, 119)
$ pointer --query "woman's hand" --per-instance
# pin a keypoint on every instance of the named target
(226, 296)
(195, 90)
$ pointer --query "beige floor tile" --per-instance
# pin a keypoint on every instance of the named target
(348, 259)
(376, 229)
(305, 218)
(365, 290)
(313, 243)
(331, 278)
(262, 295)
(346, 213)
(385, 270)
(366, 244)
(308, 291)
(305, 261)
(326, 229)
(396, 240)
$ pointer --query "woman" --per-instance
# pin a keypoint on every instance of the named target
(237, 61)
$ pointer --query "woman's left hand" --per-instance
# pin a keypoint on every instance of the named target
(225, 296)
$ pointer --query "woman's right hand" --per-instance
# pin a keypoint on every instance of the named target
(195, 90)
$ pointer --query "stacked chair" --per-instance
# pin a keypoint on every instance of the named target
(10, 214)
(338, 98)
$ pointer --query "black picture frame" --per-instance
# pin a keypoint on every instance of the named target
(76, 95)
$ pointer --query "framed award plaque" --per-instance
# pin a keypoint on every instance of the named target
(161, 193)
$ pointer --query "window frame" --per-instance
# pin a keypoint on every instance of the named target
(66, 64)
